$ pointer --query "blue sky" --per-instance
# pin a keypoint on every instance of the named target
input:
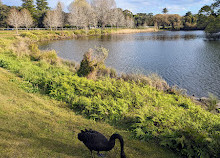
(142, 6)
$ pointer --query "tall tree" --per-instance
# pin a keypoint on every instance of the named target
(27, 19)
(175, 21)
(165, 10)
(49, 19)
(29, 5)
(161, 20)
(81, 14)
(54, 18)
(128, 13)
(103, 10)
(143, 19)
(209, 16)
(59, 15)
(118, 18)
(4, 12)
(15, 19)
(189, 21)
(42, 5)
(129, 22)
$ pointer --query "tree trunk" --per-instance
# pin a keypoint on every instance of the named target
(16, 30)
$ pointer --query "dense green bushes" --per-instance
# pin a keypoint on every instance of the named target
(173, 120)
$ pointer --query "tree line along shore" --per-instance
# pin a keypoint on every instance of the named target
(98, 13)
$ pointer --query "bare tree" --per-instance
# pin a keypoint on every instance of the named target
(49, 19)
(129, 22)
(54, 18)
(81, 14)
(58, 17)
(117, 19)
(103, 10)
(15, 19)
(27, 19)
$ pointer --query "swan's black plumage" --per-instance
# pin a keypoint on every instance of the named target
(96, 141)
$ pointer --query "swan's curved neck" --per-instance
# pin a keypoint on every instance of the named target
(112, 143)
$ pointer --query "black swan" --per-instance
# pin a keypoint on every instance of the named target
(96, 141)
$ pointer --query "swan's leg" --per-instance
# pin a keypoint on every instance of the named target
(91, 153)
(100, 155)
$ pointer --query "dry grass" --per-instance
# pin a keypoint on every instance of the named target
(127, 31)
(152, 80)
(32, 125)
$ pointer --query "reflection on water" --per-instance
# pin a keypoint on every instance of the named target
(181, 58)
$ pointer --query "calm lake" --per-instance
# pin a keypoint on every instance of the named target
(182, 58)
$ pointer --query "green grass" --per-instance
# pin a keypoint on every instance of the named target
(32, 125)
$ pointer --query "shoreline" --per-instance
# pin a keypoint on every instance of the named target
(36, 36)
(198, 100)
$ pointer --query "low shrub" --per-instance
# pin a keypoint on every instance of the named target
(98, 31)
(106, 31)
(34, 52)
(20, 47)
(79, 32)
(212, 103)
(49, 56)
(29, 35)
(94, 32)
(152, 80)
(93, 62)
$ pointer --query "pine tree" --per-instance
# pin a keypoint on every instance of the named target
(42, 5)
(29, 5)
(165, 10)
(4, 12)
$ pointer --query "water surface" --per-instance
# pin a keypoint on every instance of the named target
(182, 58)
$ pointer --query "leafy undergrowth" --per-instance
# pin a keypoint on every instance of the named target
(150, 114)
(32, 125)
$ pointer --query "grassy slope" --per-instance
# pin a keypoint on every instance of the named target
(33, 125)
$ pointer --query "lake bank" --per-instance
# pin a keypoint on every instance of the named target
(182, 58)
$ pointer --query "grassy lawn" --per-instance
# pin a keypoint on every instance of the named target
(32, 125)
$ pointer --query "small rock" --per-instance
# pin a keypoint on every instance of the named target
(218, 106)
(198, 99)
(204, 100)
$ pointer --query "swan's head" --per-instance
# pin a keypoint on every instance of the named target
(81, 136)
